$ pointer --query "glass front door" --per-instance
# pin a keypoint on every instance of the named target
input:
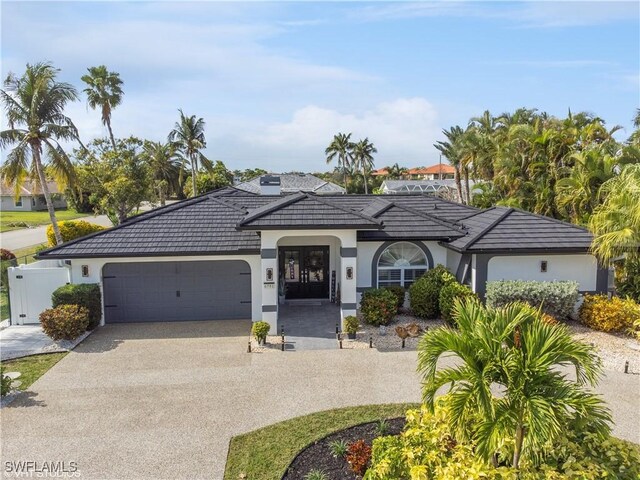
(305, 271)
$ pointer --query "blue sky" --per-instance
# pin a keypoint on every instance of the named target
(275, 81)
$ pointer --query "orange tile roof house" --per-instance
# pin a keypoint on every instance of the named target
(423, 173)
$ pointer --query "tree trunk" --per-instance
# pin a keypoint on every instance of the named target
(466, 186)
(518, 447)
(113, 140)
(35, 150)
(456, 176)
(194, 173)
(366, 187)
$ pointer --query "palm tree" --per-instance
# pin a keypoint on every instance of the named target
(164, 163)
(616, 222)
(104, 91)
(451, 149)
(395, 171)
(512, 351)
(341, 148)
(363, 159)
(188, 137)
(34, 105)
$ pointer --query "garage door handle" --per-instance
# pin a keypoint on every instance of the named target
(177, 293)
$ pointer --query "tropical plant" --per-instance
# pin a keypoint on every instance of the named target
(86, 295)
(72, 229)
(448, 295)
(616, 222)
(424, 293)
(511, 350)
(7, 259)
(358, 456)
(104, 91)
(555, 298)
(395, 171)
(65, 322)
(378, 306)
(609, 314)
(363, 159)
(382, 427)
(400, 292)
(451, 149)
(316, 474)
(217, 177)
(5, 382)
(188, 137)
(338, 448)
(341, 149)
(34, 106)
(260, 330)
(627, 275)
(164, 165)
(351, 324)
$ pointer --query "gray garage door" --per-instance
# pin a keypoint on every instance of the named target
(176, 291)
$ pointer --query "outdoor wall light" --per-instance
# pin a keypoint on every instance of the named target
(85, 270)
(269, 274)
(543, 266)
(349, 273)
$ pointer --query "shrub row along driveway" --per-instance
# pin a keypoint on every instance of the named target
(163, 400)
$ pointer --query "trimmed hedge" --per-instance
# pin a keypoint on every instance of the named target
(399, 292)
(378, 306)
(260, 330)
(448, 295)
(65, 322)
(556, 298)
(609, 314)
(424, 294)
(72, 229)
(83, 294)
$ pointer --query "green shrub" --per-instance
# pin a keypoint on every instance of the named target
(398, 291)
(556, 298)
(316, 474)
(83, 294)
(351, 324)
(609, 314)
(424, 294)
(65, 322)
(628, 278)
(428, 448)
(260, 330)
(7, 259)
(72, 229)
(338, 448)
(448, 295)
(378, 306)
(5, 383)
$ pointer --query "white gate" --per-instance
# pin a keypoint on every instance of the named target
(31, 286)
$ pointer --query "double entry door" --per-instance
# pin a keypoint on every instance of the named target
(305, 271)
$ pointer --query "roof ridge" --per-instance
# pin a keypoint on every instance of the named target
(319, 198)
(229, 204)
(271, 206)
(477, 213)
(386, 206)
(444, 223)
(555, 220)
(487, 229)
(132, 220)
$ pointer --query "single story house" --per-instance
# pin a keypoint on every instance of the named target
(228, 254)
(30, 197)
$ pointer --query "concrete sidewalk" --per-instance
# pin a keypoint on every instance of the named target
(21, 340)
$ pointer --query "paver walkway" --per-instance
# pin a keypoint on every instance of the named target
(309, 324)
(163, 400)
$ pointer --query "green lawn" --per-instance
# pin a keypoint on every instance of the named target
(4, 304)
(32, 368)
(24, 255)
(265, 454)
(7, 219)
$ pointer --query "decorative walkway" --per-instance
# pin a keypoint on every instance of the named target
(21, 340)
(309, 324)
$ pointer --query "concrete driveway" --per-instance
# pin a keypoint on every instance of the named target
(163, 400)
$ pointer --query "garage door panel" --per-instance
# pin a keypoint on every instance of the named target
(174, 291)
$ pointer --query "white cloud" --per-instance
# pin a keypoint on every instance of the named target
(403, 130)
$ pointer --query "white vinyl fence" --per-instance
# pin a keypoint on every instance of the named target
(31, 286)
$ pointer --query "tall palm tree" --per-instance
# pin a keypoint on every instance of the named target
(104, 90)
(363, 159)
(164, 162)
(188, 137)
(34, 104)
(341, 148)
(395, 171)
(451, 149)
(510, 350)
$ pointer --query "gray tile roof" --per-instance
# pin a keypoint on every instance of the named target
(227, 221)
(509, 229)
(295, 182)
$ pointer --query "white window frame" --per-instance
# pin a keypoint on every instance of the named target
(402, 269)
(17, 203)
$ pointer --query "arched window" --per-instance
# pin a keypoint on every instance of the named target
(401, 264)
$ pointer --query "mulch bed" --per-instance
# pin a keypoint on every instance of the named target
(317, 456)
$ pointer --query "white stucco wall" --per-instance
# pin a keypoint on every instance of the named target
(7, 204)
(581, 268)
(95, 272)
(453, 259)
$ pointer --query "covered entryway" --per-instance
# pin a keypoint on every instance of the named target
(305, 271)
(176, 291)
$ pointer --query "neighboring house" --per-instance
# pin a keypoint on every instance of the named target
(223, 255)
(434, 172)
(277, 183)
(30, 198)
(443, 188)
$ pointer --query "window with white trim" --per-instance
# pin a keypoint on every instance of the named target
(17, 202)
(401, 263)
